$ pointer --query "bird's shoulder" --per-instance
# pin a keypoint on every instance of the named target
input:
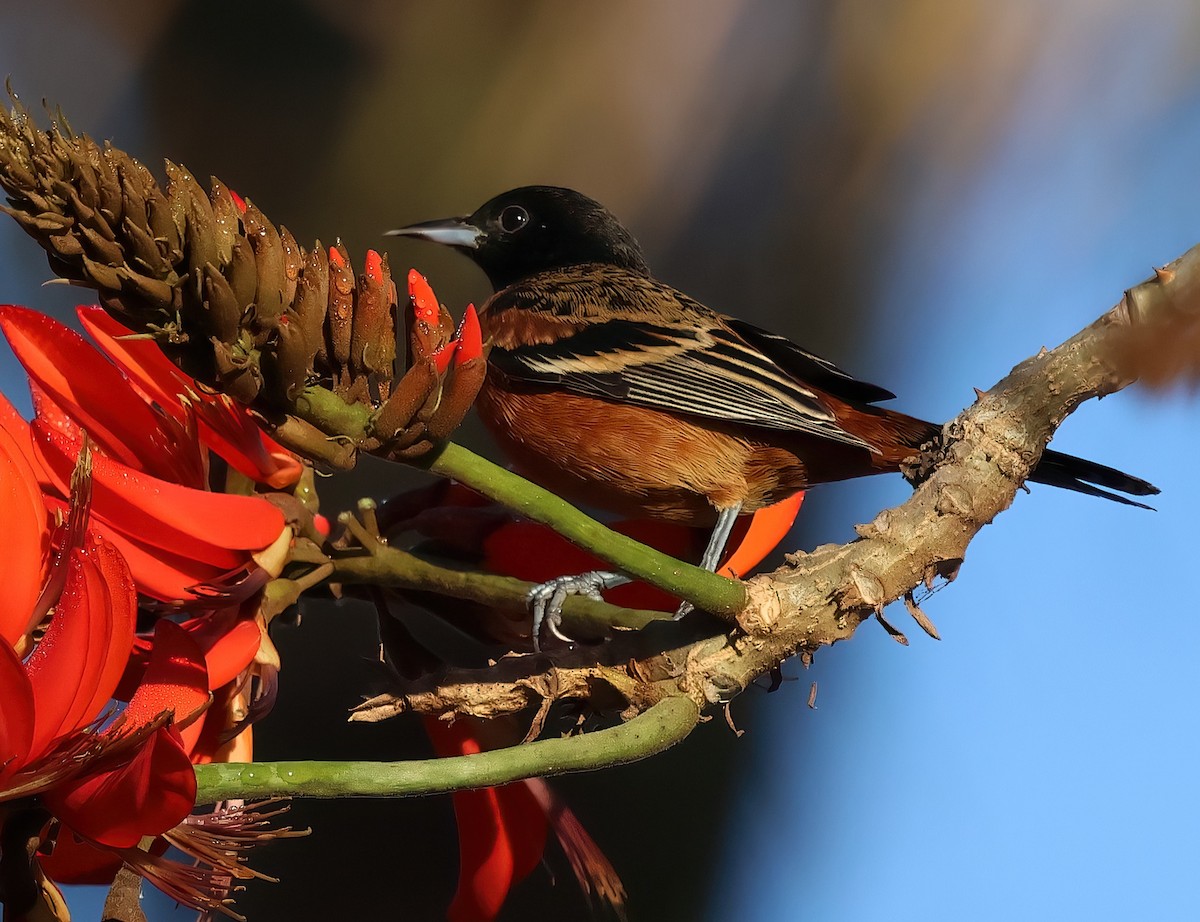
(626, 338)
(598, 292)
(585, 316)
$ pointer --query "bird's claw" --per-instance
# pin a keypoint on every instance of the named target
(546, 600)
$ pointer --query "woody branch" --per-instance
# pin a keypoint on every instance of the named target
(820, 597)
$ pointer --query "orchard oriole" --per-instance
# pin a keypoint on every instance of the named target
(615, 390)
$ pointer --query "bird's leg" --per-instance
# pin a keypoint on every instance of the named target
(720, 537)
(546, 600)
(716, 547)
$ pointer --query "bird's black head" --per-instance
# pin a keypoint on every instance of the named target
(535, 229)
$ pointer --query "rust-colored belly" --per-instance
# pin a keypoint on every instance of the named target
(633, 460)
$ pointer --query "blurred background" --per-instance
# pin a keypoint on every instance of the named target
(925, 192)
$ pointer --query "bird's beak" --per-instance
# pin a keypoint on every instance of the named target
(454, 232)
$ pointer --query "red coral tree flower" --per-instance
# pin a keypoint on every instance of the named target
(109, 780)
(202, 554)
(188, 547)
(151, 432)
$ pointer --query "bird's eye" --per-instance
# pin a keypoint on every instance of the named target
(513, 218)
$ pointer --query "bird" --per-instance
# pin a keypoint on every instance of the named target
(617, 391)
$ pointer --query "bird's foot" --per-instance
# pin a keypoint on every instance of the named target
(546, 600)
(683, 609)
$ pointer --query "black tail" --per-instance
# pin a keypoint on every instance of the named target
(1071, 473)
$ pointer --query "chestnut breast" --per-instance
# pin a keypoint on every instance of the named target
(632, 460)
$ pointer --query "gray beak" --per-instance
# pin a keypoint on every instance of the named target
(454, 232)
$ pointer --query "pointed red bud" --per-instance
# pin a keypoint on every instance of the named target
(374, 267)
(469, 337)
(424, 302)
(443, 356)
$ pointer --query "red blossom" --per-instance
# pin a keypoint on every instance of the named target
(224, 425)
(502, 830)
(185, 544)
(112, 785)
(110, 776)
(75, 387)
(150, 428)
(25, 562)
(156, 528)
(156, 788)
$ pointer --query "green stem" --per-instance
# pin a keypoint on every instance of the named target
(328, 412)
(387, 566)
(707, 591)
(658, 728)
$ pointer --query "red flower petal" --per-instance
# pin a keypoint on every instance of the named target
(443, 356)
(227, 641)
(527, 826)
(374, 267)
(76, 666)
(767, 528)
(146, 796)
(122, 602)
(140, 359)
(176, 679)
(228, 653)
(94, 393)
(469, 338)
(485, 857)
(158, 573)
(16, 716)
(225, 426)
(24, 563)
(75, 861)
(189, 736)
(486, 861)
(14, 424)
(207, 526)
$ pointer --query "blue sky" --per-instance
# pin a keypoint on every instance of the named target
(1040, 761)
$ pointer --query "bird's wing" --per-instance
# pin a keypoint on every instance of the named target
(805, 366)
(688, 361)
